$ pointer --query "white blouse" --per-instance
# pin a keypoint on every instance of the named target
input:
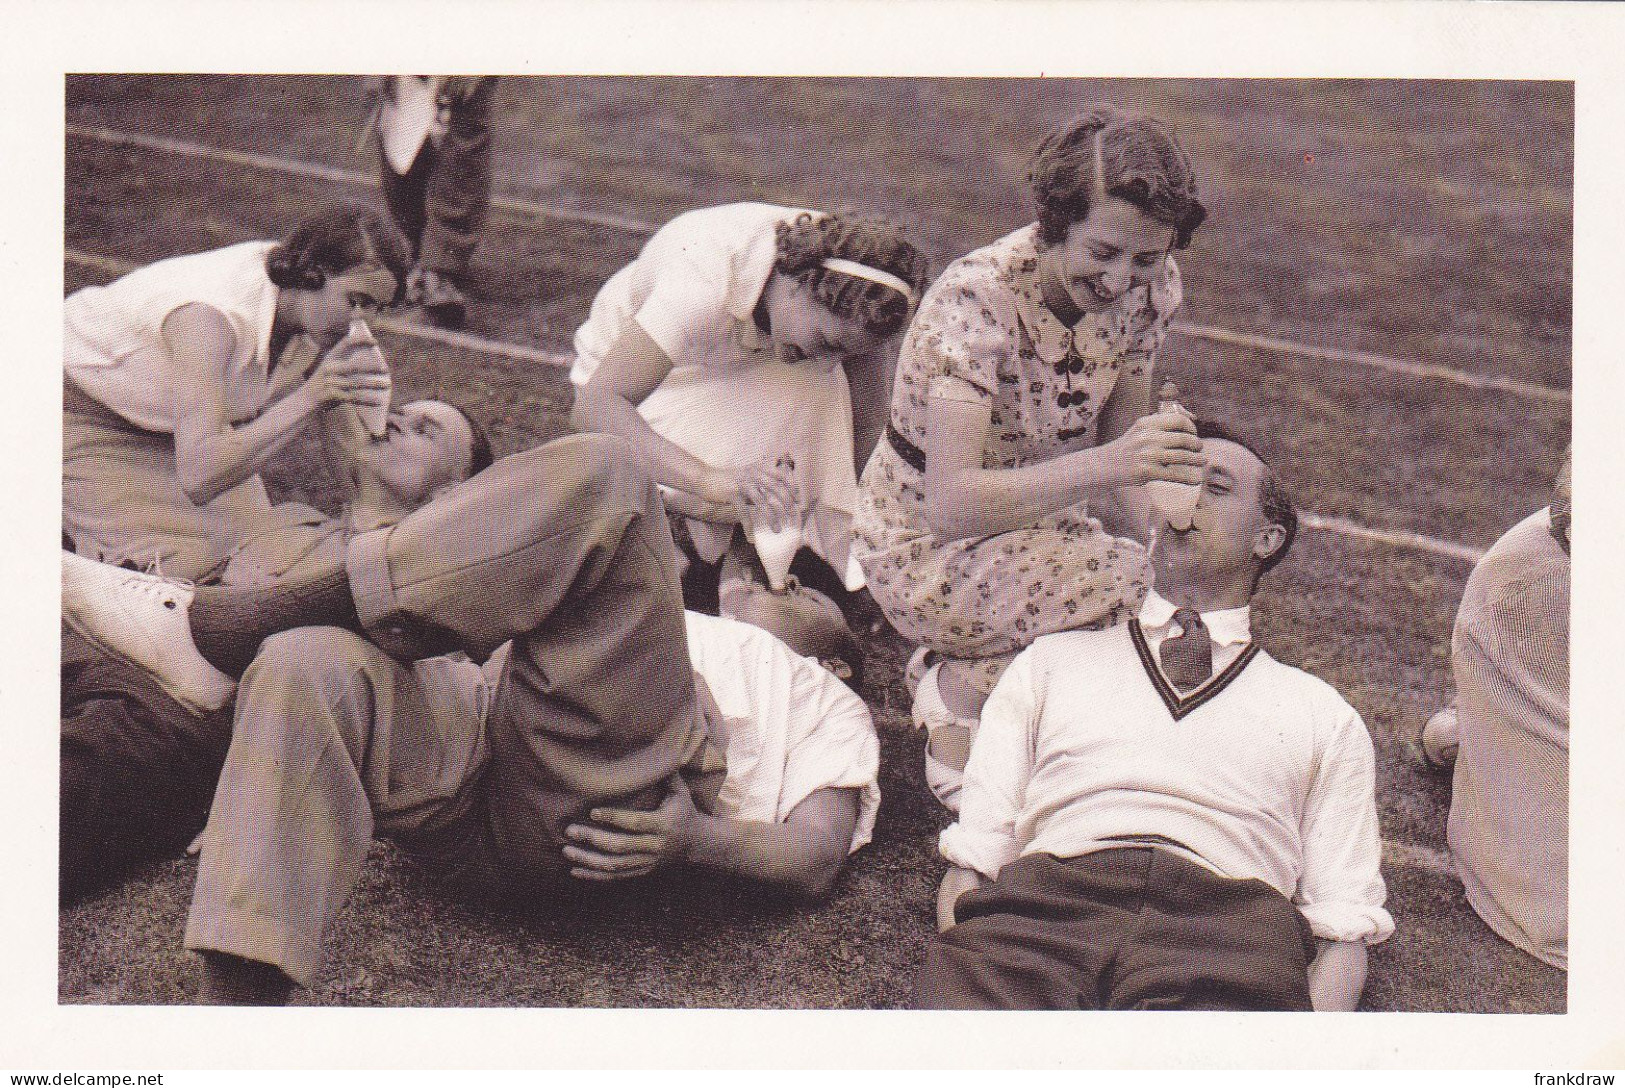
(113, 345)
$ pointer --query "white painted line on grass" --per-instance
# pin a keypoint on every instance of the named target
(1404, 367)
(1398, 538)
(319, 172)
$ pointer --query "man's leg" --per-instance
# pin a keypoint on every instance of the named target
(331, 737)
(403, 193)
(566, 551)
(137, 770)
(1209, 942)
(1039, 937)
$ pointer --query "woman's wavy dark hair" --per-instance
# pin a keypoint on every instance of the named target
(808, 240)
(333, 242)
(1143, 165)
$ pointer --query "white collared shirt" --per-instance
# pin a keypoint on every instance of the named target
(693, 289)
(1265, 772)
(729, 400)
(794, 728)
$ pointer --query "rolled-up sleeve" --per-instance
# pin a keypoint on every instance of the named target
(1341, 891)
(833, 745)
(1001, 764)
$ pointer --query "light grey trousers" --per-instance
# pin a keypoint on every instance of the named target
(563, 550)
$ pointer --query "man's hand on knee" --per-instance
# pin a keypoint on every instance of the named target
(622, 843)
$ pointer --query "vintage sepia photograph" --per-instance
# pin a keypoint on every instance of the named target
(816, 542)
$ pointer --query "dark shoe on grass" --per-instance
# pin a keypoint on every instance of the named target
(232, 980)
(443, 304)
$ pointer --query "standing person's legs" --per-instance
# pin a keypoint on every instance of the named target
(459, 186)
(332, 739)
(137, 770)
(404, 193)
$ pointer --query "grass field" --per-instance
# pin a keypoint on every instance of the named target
(1429, 221)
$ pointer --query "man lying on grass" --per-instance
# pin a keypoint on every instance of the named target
(606, 734)
(139, 762)
(1161, 815)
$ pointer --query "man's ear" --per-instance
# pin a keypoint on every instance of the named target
(1270, 539)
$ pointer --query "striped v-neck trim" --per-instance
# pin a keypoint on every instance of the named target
(1180, 705)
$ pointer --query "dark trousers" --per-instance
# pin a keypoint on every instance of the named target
(138, 771)
(440, 203)
(1138, 928)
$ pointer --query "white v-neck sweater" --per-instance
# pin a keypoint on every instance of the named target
(1265, 773)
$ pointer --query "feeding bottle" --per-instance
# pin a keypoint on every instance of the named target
(1175, 502)
(359, 339)
(777, 548)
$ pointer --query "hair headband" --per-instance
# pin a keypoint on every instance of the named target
(873, 275)
(1097, 194)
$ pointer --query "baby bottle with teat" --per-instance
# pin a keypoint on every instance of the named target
(358, 340)
(1175, 502)
(777, 548)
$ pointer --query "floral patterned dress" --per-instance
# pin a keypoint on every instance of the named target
(983, 335)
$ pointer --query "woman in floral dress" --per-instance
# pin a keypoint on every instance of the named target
(1022, 401)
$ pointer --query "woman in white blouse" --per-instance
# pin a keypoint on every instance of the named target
(729, 353)
(183, 378)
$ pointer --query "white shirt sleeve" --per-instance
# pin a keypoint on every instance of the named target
(686, 313)
(832, 745)
(1341, 891)
(996, 778)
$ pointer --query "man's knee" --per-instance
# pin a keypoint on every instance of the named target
(305, 648)
(306, 688)
(602, 469)
(316, 661)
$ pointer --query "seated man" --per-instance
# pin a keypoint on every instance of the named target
(1508, 734)
(1160, 815)
(139, 766)
(560, 755)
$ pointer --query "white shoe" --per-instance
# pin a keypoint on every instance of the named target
(1441, 739)
(918, 665)
(930, 713)
(143, 618)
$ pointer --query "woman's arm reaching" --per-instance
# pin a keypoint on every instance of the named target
(212, 454)
(964, 500)
(609, 402)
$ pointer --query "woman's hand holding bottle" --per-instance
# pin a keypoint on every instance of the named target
(353, 372)
(1159, 446)
(761, 494)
